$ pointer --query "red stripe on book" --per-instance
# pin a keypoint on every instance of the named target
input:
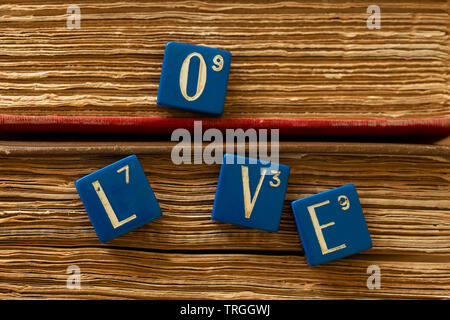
(162, 125)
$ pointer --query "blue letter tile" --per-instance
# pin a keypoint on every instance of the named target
(194, 78)
(118, 198)
(331, 225)
(250, 193)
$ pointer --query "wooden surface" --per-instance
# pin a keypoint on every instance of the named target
(404, 192)
(291, 60)
(295, 59)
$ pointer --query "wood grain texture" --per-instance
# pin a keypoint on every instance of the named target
(291, 59)
(404, 192)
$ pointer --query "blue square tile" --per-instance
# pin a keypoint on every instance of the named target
(331, 225)
(194, 78)
(118, 198)
(250, 193)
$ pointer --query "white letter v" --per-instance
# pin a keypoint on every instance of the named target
(249, 204)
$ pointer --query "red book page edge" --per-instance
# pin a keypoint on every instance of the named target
(164, 125)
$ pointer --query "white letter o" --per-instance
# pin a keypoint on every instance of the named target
(201, 76)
